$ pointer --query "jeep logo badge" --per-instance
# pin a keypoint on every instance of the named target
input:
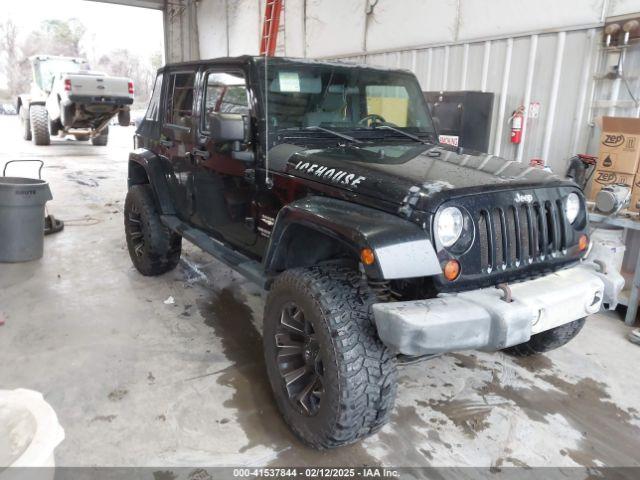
(524, 198)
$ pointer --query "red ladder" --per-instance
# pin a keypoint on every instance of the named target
(270, 27)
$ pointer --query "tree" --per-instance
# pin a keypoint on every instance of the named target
(11, 57)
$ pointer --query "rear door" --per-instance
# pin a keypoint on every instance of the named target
(177, 137)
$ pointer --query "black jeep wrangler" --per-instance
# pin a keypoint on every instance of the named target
(325, 183)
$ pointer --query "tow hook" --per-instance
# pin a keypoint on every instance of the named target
(506, 290)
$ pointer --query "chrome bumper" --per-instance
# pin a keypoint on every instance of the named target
(482, 320)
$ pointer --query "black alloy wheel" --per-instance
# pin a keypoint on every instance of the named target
(299, 360)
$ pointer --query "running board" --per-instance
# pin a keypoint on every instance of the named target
(247, 267)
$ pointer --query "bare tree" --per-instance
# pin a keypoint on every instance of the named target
(10, 57)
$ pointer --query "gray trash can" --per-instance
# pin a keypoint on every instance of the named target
(22, 202)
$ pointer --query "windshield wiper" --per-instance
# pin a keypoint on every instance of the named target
(397, 130)
(333, 132)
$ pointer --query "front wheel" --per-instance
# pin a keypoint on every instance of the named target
(332, 378)
(548, 340)
(39, 119)
(153, 248)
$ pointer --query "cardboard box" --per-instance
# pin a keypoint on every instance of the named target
(619, 145)
(602, 178)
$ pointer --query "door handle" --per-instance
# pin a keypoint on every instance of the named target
(166, 143)
(203, 154)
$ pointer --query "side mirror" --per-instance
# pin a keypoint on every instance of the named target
(228, 127)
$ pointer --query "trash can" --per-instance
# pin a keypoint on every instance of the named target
(22, 202)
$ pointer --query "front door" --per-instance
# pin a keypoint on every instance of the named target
(223, 185)
(176, 139)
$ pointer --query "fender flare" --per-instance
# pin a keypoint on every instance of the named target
(402, 249)
(157, 169)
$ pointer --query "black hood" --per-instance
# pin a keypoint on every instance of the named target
(388, 172)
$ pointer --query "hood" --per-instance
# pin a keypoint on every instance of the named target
(388, 172)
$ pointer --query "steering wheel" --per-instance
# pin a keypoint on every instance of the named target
(372, 118)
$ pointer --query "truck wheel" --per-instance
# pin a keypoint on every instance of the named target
(153, 248)
(333, 379)
(548, 340)
(102, 139)
(54, 126)
(39, 125)
(124, 118)
(26, 123)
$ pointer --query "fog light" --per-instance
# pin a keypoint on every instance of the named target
(367, 257)
(583, 243)
(451, 270)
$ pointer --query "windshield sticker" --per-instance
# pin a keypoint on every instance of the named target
(289, 81)
(336, 176)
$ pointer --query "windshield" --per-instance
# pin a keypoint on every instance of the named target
(345, 99)
(45, 70)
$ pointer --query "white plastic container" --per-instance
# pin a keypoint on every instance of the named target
(607, 246)
(29, 434)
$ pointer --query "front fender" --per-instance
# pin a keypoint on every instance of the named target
(402, 249)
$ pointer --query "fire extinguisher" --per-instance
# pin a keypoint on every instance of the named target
(516, 125)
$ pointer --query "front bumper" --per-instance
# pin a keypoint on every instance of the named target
(480, 319)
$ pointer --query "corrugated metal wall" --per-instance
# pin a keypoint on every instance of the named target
(546, 52)
(556, 70)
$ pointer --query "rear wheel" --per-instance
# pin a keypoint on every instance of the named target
(102, 139)
(548, 340)
(39, 125)
(333, 379)
(124, 118)
(153, 248)
(26, 122)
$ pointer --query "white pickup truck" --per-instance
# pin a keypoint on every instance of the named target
(68, 98)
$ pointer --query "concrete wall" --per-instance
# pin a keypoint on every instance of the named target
(544, 51)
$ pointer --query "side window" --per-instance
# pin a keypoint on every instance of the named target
(180, 99)
(389, 101)
(153, 110)
(224, 93)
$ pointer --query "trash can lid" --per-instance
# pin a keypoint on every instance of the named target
(20, 191)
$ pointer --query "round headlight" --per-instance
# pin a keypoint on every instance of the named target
(449, 224)
(572, 207)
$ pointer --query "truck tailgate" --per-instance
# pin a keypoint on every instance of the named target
(99, 85)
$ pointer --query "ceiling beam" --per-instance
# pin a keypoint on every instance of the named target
(153, 4)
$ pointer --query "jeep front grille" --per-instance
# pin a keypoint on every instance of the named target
(514, 235)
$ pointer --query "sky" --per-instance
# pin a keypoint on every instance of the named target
(108, 26)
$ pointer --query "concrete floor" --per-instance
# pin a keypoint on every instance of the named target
(138, 381)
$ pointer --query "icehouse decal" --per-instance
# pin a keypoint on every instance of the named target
(336, 176)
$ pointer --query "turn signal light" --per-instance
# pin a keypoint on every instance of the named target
(67, 84)
(130, 88)
(367, 257)
(583, 242)
(451, 270)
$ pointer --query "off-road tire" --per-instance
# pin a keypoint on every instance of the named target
(359, 376)
(153, 248)
(26, 123)
(39, 119)
(102, 139)
(548, 340)
(55, 126)
(124, 118)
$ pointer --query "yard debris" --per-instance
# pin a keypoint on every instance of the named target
(169, 301)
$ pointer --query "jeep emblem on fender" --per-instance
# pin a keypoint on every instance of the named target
(523, 198)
